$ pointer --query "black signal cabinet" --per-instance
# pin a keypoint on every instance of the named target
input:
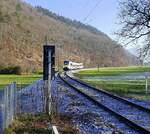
(48, 62)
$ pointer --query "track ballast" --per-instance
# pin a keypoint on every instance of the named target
(135, 116)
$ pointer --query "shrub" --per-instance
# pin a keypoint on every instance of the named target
(1, 17)
(18, 7)
(10, 70)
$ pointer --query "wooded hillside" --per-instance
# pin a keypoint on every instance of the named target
(22, 33)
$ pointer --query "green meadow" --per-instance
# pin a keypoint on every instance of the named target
(21, 80)
(112, 71)
(127, 88)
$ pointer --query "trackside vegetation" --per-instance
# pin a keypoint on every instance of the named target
(40, 124)
(127, 88)
(29, 124)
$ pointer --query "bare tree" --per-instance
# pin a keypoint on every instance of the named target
(135, 23)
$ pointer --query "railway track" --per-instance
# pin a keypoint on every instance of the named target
(133, 115)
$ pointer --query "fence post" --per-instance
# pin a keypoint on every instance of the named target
(15, 99)
(13, 106)
(9, 105)
(98, 67)
(5, 121)
(4, 109)
(146, 84)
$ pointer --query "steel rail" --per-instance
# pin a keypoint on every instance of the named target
(130, 123)
(111, 95)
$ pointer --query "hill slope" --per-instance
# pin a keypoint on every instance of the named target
(23, 29)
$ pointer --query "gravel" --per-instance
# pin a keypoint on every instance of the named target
(140, 117)
(86, 116)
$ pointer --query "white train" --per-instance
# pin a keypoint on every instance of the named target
(69, 65)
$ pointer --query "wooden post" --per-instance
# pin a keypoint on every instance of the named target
(146, 84)
(98, 67)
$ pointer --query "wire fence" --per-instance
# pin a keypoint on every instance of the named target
(8, 106)
(15, 102)
(31, 99)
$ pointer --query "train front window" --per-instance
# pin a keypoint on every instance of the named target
(66, 62)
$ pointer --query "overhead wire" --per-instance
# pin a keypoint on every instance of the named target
(91, 11)
(84, 19)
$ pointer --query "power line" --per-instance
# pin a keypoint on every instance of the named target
(91, 11)
(88, 15)
(87, 3)
(85, 18)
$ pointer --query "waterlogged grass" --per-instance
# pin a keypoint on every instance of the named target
(132, 89)
(112, 71)
(21, 80)
(127, 88)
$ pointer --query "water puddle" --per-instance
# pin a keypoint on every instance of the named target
(127, 76)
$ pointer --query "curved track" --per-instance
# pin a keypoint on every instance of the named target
(135, 116)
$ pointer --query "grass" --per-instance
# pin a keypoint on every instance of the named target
(39, 124)
(126, 88)
(112, 71)
(21, 80)
(29, 124)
